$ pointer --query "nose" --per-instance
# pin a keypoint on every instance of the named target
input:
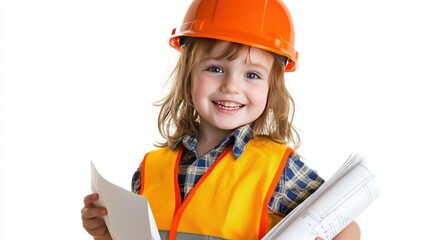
(230, 84)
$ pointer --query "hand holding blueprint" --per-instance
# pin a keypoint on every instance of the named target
(333, 206)
(129, 215)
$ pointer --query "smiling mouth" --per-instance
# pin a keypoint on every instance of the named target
(228, 105)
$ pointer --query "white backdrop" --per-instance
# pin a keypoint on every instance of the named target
(78, 79)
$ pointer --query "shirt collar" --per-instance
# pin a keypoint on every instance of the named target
(238, 139)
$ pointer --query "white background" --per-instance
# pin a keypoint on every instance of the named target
(78, 79)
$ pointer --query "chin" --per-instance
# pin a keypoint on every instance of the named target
(229, 127)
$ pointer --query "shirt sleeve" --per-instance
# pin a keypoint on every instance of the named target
(297, 182)
(136, 181)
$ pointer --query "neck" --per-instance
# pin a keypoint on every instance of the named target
(209, 137)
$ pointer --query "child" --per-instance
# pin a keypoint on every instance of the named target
(225, 171)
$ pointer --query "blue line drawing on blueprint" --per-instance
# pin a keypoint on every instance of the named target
(333, 206)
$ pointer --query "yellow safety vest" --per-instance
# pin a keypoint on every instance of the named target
(230, 200)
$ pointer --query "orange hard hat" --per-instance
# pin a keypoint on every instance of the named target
(265, 24)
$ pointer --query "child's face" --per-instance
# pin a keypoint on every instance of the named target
(231, 93)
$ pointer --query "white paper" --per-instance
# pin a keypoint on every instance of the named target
(129, 215)
(333, 206)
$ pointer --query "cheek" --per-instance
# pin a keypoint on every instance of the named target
(201, 88)
(260, 97)
(198, 92)
(261, 100)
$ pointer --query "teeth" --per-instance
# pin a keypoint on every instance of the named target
(229, 105)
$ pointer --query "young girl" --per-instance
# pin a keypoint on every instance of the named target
(225, 170)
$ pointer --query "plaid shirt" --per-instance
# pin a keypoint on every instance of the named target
(296, 183)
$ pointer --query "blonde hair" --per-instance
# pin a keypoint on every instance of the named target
(178, 116)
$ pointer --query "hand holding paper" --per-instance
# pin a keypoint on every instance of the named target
(129, 215)
(333, 206)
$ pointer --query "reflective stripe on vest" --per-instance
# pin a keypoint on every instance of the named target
(187, 236)
(230, 201)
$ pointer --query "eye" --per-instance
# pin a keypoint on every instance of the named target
(252, 75)
(215, 69)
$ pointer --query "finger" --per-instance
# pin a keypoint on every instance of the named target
(89, 199)
(93, 212)
(93, 223)
(95, 226)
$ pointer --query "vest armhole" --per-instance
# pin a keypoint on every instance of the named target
(177, 194)
(142, 171)
(263, 228)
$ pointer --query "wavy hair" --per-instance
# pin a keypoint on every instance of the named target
(178, 116)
